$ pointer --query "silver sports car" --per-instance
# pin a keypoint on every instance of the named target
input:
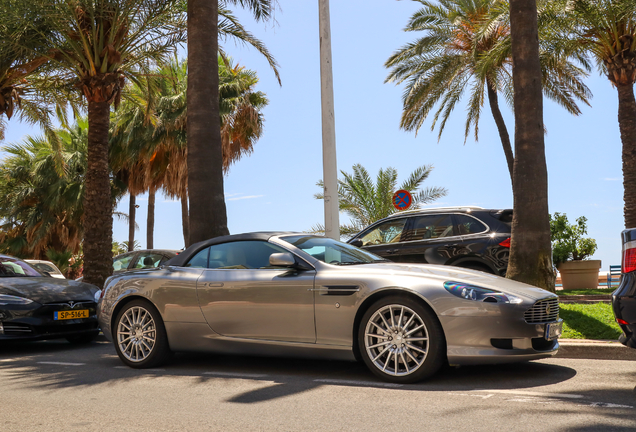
(296, 294)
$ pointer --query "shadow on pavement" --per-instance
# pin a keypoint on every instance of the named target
(98, 363)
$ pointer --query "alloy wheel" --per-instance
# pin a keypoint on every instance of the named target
(396, 340)
(136, 334)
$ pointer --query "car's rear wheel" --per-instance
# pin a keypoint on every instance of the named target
(401, 340)
(140, 337)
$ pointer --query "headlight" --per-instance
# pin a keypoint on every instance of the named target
(471, 292)
(6, 299)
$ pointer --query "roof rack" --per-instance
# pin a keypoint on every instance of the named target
(427, 209)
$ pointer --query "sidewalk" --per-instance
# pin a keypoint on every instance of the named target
(595, 350)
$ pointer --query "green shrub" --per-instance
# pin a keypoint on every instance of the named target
(568, 243)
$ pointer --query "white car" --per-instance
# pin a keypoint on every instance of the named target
(46, 266)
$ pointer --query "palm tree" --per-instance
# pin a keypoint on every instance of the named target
(148, 144)
(101, 44)
(208, 215)
(466, 49)
(606, 31)
(42, 210)
(530, 249)
(241, 118)
(27, 88)
(366, 202)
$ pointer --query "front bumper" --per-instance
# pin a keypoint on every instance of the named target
(495, 339)
(36, 322)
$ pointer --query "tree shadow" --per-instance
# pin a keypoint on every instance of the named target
(40, 365)
(588, 326)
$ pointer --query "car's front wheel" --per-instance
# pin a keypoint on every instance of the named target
(140, 337)
(401, 341)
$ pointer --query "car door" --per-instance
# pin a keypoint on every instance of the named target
(383, 239)
(242, 296)
(480, 243)
(428, 239)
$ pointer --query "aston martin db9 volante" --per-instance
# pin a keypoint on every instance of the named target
(303, 295)
(34, 306)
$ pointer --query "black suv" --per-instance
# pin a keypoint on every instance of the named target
(470, 237)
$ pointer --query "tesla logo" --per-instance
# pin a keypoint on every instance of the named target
(72, 304)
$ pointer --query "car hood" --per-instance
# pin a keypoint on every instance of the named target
(455, 274)
(47, 290)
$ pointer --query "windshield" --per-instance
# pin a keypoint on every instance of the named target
(331, 251)
(11, 267)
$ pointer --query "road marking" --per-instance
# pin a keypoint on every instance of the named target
(532, 393)
(143, 370)
(63, 363)
(608, 405)
(363, 383)
(235, 374)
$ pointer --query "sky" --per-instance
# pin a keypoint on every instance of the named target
(274, 187)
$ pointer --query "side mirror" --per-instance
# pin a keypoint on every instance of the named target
(282, 259)
(357, 243)
(47, 274)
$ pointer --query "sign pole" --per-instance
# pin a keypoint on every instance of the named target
(329, 165)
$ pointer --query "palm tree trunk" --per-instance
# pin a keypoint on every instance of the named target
(185, 221)
(627, 125)
(208, 216)
(132, 210)
(501, 126)
(150, 227)
(530, 251)
(98, 206)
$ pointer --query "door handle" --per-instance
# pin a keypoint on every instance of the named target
(392, 251)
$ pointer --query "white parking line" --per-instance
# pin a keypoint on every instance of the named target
(361, 383)
(143, 370)
(235, 374)
(532, 393)
(63, 363)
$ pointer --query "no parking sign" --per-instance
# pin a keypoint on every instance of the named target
(402, 199)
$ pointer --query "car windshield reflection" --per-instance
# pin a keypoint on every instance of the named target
(10, 267)
(332, 251)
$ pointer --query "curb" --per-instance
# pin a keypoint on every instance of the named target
(594, 350)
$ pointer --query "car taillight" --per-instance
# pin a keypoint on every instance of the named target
(621, 321)
(505, 243)
(629, 260)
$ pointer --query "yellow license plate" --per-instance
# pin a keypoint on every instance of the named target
(74, 314)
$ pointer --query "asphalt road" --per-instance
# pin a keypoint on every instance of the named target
(54, 386)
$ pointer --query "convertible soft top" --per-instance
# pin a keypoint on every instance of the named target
(181, 259)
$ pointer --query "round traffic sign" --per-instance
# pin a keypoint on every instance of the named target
(402, 199)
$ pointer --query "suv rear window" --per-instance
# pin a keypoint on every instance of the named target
(469, 225)
(430, 227)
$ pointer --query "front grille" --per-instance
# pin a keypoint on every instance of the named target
(543, 311)
(76, 305)
(17, 329)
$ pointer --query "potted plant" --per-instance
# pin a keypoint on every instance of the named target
(570, 251)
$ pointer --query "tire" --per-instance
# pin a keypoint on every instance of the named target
(140, 337)
(83, 339)
(401, 340)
